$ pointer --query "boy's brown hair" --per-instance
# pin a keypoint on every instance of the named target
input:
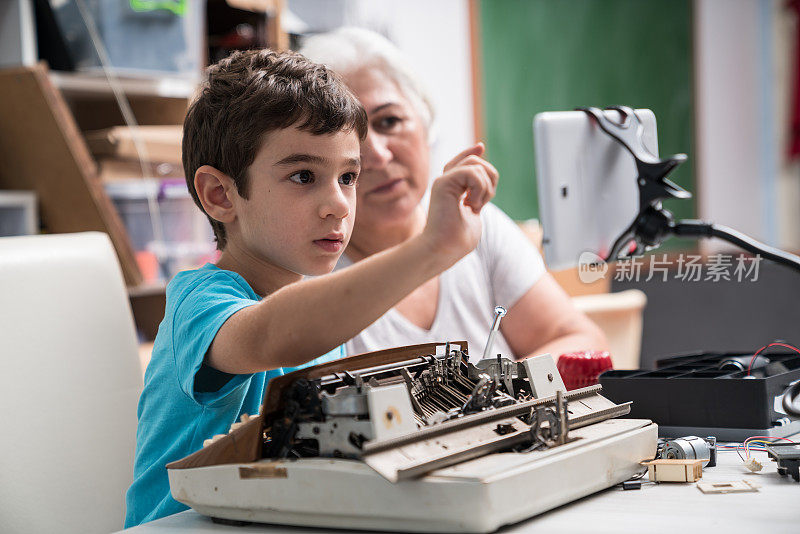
(250, 94)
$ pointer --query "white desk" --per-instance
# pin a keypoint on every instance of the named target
(667, 508)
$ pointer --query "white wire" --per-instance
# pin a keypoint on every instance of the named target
(127, 115)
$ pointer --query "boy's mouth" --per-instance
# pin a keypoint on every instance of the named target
(330, 243)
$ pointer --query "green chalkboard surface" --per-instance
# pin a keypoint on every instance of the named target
(556, 55)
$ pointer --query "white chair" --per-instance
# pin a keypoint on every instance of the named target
(69, 385)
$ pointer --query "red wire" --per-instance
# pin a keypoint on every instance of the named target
(766, 347)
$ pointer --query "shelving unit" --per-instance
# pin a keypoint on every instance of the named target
(43, 150)
(45, 114)
(78, 84)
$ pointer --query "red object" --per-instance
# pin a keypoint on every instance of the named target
(581, 369)
(794, 132)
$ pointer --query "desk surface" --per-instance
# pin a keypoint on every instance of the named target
(667, 508)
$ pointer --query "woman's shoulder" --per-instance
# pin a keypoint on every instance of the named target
(504, 246)
(492, 216)
(499, 230)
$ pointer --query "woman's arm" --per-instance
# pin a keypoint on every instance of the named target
(544, 320)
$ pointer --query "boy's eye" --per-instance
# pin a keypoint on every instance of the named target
(302, 177)
(348, 178)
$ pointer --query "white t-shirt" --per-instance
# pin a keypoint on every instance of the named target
(501, 269)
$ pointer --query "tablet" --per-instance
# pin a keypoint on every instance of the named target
(587, 184)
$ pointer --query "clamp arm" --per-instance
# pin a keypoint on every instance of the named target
(653, 224)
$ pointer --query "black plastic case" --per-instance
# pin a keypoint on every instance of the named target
(707, 390)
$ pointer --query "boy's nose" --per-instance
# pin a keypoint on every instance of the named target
(335, 203)
(375, 152)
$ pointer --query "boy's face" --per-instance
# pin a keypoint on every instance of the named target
(302, 198)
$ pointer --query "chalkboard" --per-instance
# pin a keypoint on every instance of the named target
(556, 55)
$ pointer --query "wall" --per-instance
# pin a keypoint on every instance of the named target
(744, 70)
(555, 55)
(788, 179)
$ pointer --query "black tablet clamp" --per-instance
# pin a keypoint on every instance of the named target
(653, 224)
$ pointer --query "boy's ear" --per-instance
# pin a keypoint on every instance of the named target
(214, 189)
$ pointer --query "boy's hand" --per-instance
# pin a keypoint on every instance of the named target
(457, 196)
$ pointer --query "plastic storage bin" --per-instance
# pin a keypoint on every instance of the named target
(186, 239)
(140, 36)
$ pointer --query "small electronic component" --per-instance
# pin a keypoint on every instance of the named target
(674, 470)
(788, 457)
(632, 485)
(691, 448)
(787, 452)
(735, 486)
(753, 465)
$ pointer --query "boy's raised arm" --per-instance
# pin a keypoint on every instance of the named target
(307, 319)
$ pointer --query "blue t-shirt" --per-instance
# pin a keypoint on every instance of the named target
(175, 415)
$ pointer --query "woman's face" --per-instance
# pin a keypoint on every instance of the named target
(394, 157)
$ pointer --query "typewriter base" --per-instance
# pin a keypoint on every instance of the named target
(479, 495)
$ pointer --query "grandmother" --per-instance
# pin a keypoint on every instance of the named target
(505, 269)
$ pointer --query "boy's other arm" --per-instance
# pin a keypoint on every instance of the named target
(306, 319)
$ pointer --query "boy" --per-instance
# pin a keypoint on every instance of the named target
(271, 151)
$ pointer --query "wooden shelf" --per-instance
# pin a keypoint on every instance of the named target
(45, 115)
(89, 84)
(44, 151)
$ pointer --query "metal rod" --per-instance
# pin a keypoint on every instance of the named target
(499, 313)
(561, 410)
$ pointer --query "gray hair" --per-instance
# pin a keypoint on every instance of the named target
(350, 49)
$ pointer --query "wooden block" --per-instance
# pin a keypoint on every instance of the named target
(43, 150)
(664, 470)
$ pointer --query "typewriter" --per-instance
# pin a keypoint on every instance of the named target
(415, 439)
